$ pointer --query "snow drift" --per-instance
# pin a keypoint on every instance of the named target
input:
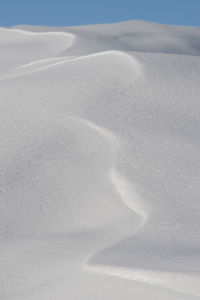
(100, 138)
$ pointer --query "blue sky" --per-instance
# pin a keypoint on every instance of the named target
(78, 12)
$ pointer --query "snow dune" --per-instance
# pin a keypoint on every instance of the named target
(100, 137)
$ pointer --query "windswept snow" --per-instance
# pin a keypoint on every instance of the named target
(99, 160)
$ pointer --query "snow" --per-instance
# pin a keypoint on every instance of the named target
(99, 162)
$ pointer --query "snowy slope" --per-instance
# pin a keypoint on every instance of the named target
(99, 156)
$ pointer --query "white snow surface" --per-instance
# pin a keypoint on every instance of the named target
(100, 162)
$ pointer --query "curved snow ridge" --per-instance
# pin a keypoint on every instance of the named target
(188, 284)
(54, 61)
(63, 33)
(121, 57)
(70, 37)
(43, 64)
(46, 62)
(58, 246)
(46, 45)
(34, 67)
(128, 195)
(125, 190)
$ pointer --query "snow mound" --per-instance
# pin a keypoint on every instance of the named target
(99, 154)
